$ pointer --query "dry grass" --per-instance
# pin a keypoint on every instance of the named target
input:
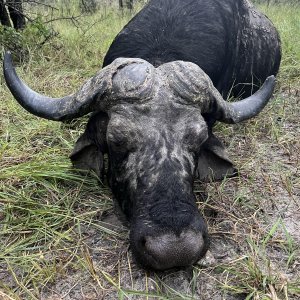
(59, 237)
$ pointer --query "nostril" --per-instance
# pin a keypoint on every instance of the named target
(143, 242)
(170, 250)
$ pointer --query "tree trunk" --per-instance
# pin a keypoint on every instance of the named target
(16, 13)
(4, 17)
(129, 4)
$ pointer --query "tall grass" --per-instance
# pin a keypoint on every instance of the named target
(288, 24)
(51, 217)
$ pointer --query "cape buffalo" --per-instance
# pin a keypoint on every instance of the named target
(154, 104)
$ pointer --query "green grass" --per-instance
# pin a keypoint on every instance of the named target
(288, 24)
(52, 220)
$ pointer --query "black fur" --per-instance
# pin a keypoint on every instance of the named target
(231, 41)
(157, 147)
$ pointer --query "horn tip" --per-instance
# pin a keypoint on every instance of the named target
(269, 83)
(7, 55)
(7, 61)
(271, 79)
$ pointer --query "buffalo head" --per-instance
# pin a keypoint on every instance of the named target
(156, 126)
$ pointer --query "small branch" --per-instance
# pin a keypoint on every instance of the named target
(72, 18)
(41, 3)
(48, 37)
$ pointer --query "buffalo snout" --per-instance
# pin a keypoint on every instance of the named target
(165, 248)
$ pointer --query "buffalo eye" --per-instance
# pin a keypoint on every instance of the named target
(120, 143)
(121, 138)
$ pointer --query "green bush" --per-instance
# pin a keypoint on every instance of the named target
(34, 35)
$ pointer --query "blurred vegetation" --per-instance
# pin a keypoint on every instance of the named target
(51, 218)
(45, 17)
(276, 2)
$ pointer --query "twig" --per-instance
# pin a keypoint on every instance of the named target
(41, 3)
(5, 296)
(72, 18)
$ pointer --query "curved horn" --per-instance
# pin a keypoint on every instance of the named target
(124, 78)
(195, 87)
(58, 109)
(247, 108)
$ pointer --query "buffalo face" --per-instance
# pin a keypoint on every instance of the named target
(153, 153)
(156, 126)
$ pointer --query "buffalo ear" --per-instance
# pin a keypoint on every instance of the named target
(86, 156)
(88, 151)
(213, 162)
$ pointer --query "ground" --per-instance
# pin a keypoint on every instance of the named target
(60, 235)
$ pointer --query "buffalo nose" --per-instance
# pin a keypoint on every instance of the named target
(169, 250)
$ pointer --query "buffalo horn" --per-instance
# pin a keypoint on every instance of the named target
(247, 108)
(58, 109)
